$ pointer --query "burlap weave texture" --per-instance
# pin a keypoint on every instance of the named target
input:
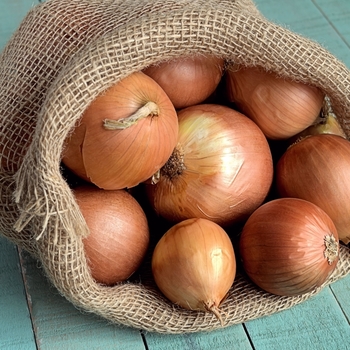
(63, 55)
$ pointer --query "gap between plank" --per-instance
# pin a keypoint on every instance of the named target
(330, 23)
(143, 337)
(28, 297)
(339, 304)
(248, 336)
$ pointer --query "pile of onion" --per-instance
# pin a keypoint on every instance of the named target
(281, 108)
(194, 265)
(189, 80)
(221, 168)
(124, 136)
(206, 167)
(119, 234)
(317, 169)
(289, 246)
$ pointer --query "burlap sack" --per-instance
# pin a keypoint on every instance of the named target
(62, 56)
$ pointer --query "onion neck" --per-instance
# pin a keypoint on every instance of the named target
(150, 109)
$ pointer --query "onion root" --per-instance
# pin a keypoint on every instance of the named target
(332, 248)
(213, 308)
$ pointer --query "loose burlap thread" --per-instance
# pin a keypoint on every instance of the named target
(62, 56)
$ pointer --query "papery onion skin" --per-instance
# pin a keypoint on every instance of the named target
(194, 265)
(119, 234)
(283, 247)
(123, 158)
(188, 80)
(282, 108)
(327, 125)
(222, 169)
(317, 169)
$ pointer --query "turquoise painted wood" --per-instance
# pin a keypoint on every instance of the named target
(337, 12)
(307, 19)
(15, 324)
(34, 316)
(317, 324)
(11, 14)
(59, 325)
(233, 337)
(341, 291)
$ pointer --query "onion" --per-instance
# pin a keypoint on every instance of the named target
(317, 169)
(280, 107)
(189, 80)
(328, 124)
(194, 265)
(124, 136)
(119, 234)
(289, 246)
(220, 170)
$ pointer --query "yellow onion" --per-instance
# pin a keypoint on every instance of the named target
(118, 233)
(221, 168)
(280, 107)
(317, 169)
(125, 135)
(188, 80)
(289, 246)
(327, 124)
(194, 265)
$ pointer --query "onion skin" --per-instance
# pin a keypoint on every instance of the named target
(221, 169)
(119, 233)
(317, 169)
(327, 125)
(283, 246)
(115, 155)
(280, 107)
(189, 80)
(194, 265)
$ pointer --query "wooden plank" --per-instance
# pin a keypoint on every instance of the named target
(11, 14)
(16, 330)
(233, 337)
(341, 291)
(316, 324)
(59, 325)
(337, 12)
(305, 18)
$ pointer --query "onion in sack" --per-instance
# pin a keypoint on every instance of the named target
(317, 169)
(125, 135)
(194, 265)
(221, 168)
(189, 80)
(327, 123)
(289, 246)
(280, 107)
(119, 234)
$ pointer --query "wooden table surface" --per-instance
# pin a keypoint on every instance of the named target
(34, 316)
